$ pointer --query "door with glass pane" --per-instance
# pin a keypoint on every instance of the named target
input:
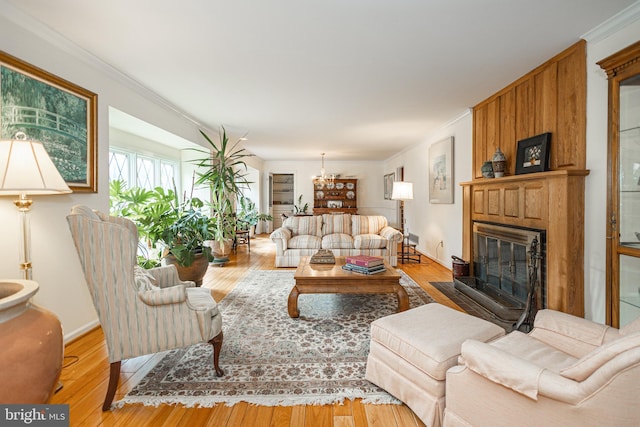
(623, 228)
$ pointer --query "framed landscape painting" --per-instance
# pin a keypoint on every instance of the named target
(55, 112)
(441, 171)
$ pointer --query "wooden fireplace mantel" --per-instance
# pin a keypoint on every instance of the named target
(552, 201)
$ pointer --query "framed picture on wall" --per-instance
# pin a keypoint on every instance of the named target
(533, 154)
(57, 113)
(388, 185)
(441, 171)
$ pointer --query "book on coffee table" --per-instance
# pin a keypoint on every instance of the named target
(364, 260)
(364, 270)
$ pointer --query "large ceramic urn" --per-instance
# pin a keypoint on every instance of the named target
(195, 272)
(31, 350)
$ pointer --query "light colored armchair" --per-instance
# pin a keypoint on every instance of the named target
(141, 311)
(567, 371)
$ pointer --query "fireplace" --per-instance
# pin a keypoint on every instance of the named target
(508, 276)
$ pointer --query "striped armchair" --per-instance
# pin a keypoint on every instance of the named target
(140, 311)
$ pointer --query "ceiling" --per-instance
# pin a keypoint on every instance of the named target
(357, 79)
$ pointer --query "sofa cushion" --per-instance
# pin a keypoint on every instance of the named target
(369, 241)
(525, 347)
(367, 224)
(337, 241)
(304, 225)
(339, 223)
(631, 328)
(587, 365)
(304, 242)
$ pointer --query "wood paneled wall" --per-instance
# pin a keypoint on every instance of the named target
(551, 98)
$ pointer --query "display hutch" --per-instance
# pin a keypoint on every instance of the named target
(335, 196)
(623, 221)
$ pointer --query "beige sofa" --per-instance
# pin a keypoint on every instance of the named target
(567, 371)
(343, 234)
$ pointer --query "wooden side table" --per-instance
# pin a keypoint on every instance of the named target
(242, 237)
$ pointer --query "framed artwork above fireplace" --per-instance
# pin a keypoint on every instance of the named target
(533, 154)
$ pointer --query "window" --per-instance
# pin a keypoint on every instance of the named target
(142, 171)
(145, 176)
(118, 167)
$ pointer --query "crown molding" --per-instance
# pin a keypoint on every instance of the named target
(614, 24)
(43, 31)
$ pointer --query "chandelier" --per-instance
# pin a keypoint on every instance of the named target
(324, 178)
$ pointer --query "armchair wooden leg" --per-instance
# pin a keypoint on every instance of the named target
(114, 376)
(216, 342)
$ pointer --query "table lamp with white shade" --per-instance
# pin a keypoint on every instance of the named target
(27, 170)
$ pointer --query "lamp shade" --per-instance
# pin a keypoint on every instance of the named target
(402, 190)
(26, 168)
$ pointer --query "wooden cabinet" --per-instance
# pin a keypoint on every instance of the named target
(339, 196)
(623, 198)
(551, 98)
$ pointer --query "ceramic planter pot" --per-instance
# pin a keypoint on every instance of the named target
(31, 349)
(195, 272)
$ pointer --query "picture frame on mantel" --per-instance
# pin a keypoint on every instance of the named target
(57, 113)
(533, 154)
(441, 171)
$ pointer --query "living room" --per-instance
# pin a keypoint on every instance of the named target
(61, 278)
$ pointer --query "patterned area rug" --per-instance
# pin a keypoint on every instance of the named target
(270, 359)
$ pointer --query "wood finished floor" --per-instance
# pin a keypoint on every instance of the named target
(86, 371)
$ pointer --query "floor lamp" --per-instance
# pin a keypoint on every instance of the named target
(27, 170)
(402, 191)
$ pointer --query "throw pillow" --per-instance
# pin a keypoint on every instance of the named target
(144, 280)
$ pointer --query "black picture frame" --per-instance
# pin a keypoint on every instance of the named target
(533, 154)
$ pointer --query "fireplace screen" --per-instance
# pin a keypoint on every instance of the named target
(508, 270)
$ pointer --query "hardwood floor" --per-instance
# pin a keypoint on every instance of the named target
(86, 370)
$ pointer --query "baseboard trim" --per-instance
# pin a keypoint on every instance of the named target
(80, 332)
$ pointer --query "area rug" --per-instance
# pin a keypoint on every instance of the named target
(271, 359)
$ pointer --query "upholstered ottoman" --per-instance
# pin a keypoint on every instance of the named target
(412, 350)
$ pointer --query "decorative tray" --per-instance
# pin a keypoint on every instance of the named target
(323, 256)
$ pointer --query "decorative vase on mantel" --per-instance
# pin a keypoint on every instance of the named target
(487, 169)
(30, 345)
(499, 163)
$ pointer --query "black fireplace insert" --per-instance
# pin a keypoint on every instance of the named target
(508, 273)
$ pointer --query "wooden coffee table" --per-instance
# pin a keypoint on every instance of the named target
(332, 279)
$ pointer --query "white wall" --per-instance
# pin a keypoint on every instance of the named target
(436, 222)
(601, 43)
(55, 263)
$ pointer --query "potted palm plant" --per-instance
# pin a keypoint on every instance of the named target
(248, 215)
(223, 171)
